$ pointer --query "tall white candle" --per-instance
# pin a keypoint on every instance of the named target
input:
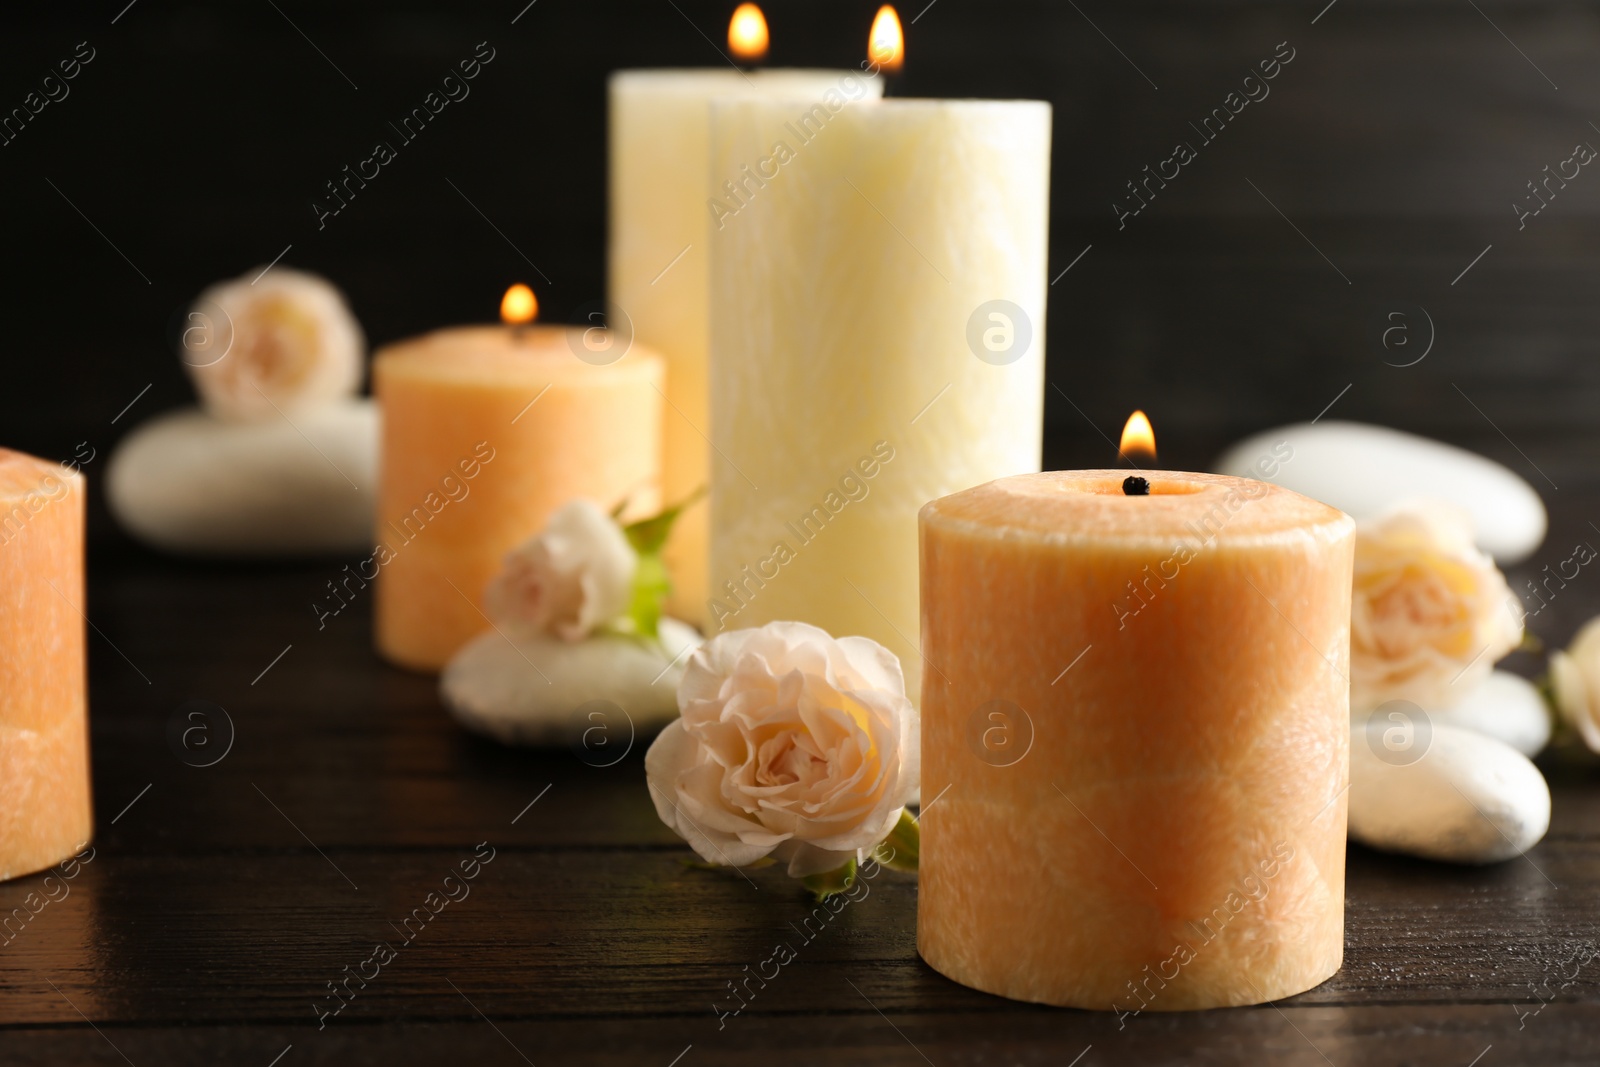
(878, 296)
(659, 263)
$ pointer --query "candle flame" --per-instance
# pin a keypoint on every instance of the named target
(747, 33)
(519, 306)
(886, 44)
(1138, 437)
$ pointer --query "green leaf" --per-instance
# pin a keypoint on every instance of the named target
(652, 583)
(648, 535)
(828, 883)
(902, 849)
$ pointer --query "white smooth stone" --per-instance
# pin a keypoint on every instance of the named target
(193, 484)
(1505, 707)
(1467, 799)
(526, 688)
(1364, 470)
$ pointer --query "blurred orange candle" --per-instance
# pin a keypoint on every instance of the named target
(1134, 729)
(486, 431)
(45, 810)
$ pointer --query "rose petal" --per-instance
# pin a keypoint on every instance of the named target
(573, 577)
(1429, 611)
(801, 745)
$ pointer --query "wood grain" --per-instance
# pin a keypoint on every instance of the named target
(222, 902)
(217, 907)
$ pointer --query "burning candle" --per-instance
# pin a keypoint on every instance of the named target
(45, 811)
(1138, 439)
(1135, 736)
(886, 41)
(878, 301)
(660, 235)
(486, 431)
(747, 33)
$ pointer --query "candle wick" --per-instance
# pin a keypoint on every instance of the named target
(1133, 485)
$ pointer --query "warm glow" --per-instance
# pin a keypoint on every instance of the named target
(519, 306)
(886, 44)
(747, 33)
(1138, 438)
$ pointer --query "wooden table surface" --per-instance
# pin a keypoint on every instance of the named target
(221, 901)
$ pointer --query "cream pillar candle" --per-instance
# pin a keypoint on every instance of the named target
(878, 296)
(1135, 737)
(486, 430)
(660, 235)
(45, 810)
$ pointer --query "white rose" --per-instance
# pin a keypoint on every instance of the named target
(283, 344)
(1430, 613)
(790, 744)
(573, 577)
(1575, 678)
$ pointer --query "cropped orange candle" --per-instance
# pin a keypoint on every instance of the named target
(486, 431)
(1135, 739)
(45, 810)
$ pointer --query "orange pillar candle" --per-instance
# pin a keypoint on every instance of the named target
(486, 431)
(1135, 740)
(45, 810)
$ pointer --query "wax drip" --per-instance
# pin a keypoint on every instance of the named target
(1133, 485)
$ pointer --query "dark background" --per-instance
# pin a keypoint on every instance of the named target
(218, 907)
(1397, 141)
